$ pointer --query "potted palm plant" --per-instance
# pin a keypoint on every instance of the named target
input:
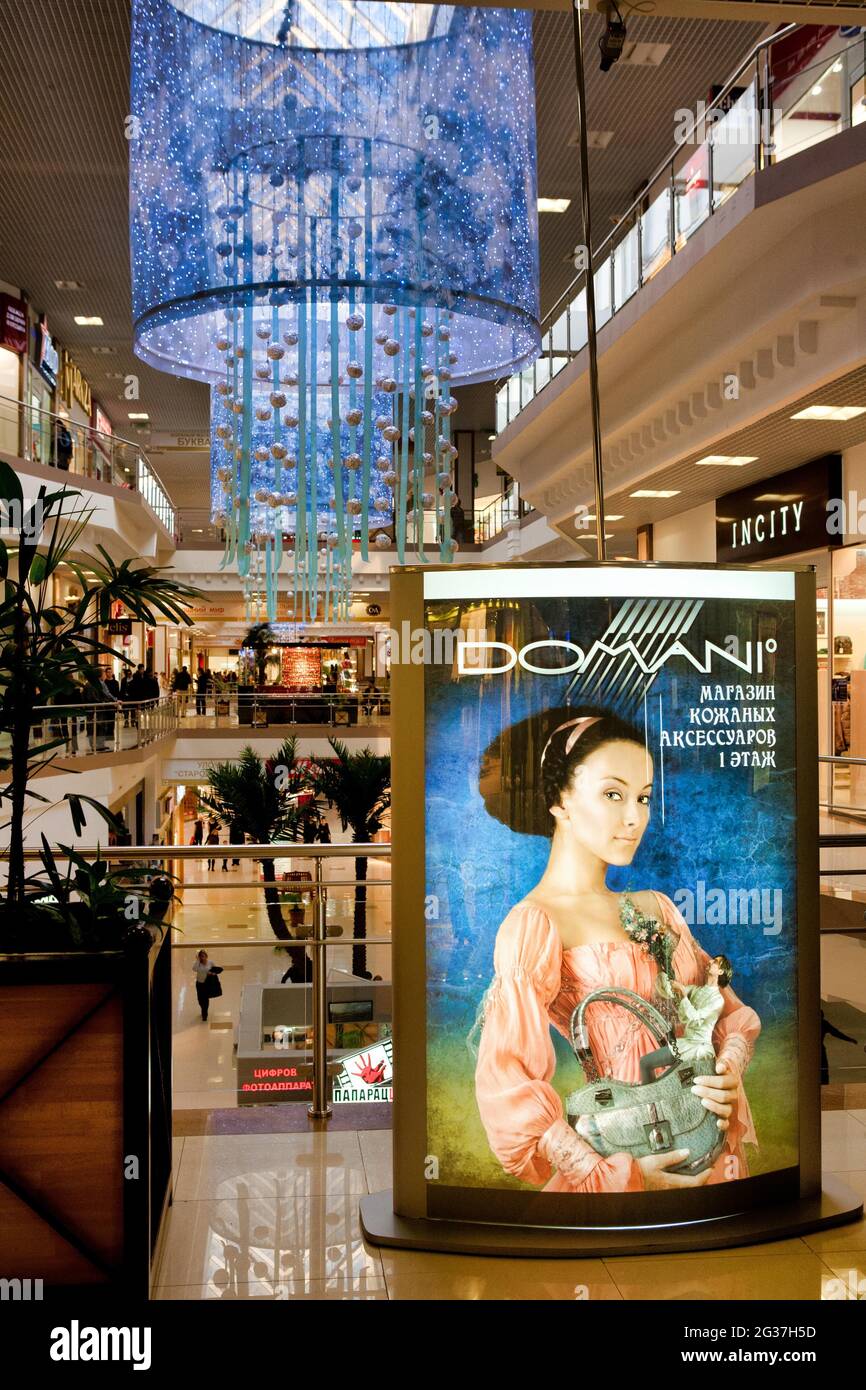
(85, 986)
(262, 795)
(358, 786)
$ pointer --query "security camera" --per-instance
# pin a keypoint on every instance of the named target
(610, 45)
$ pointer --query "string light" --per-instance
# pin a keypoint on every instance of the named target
(334, 232)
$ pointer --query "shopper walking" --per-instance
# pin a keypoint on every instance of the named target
(213, 838)
(181, 682)
(63, 446)
(197, 831)
(202, 684)
(237, 836)
(207, 985)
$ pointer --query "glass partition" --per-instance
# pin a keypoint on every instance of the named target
(733, 139)
(626, 268)
(691, 193)
(655, 226)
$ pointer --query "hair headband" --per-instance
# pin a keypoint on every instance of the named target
(578, 726)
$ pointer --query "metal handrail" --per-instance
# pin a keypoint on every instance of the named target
(318, 941)
(277, 849)
(636, 202)
(109, 443)
(91, 429)
(630, 226)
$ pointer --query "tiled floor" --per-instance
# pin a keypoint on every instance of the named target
(275, 1216)
(226, 912)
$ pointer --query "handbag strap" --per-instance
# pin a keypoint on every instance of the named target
(648, 1014)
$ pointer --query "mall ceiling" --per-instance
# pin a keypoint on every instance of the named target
(64, 94)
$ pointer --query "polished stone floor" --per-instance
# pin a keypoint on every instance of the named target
(275, 1216)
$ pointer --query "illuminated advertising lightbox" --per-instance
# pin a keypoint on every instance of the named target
(614, 897)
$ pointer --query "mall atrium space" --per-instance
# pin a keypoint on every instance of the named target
(432, 663)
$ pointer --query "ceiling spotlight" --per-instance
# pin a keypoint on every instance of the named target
(88, 321)
(726, 460)
(138, 415)
(655, 492)
(830, 412)
(610, 45)
(554, 204)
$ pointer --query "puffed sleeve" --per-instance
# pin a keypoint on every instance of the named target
(519, 1108)
(738, 1026)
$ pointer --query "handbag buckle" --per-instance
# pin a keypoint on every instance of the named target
(687, 1076)
(658, 1133)
(604, 1097)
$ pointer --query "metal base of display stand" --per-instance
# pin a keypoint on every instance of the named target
(836, 1206)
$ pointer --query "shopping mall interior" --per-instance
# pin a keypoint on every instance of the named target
(433, 501)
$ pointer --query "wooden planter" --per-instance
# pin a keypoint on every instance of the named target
(85, 1098)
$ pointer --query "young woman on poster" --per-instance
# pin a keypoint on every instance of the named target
(570, 936)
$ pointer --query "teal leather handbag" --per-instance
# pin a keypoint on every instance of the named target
(640, 1119)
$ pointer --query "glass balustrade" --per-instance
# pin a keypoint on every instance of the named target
(803, 100)
(55, 441)
(301, 936)
(81, 729)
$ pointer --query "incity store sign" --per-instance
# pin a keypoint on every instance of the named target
(783, 515)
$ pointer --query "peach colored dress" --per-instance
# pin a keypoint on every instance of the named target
(537, 983)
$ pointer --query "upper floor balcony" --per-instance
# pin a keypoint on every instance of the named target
(731, 288)
(119, 486)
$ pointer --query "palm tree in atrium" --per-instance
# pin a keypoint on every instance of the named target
(358, 786)
(259, 641)
(50, 654)
(262, 795)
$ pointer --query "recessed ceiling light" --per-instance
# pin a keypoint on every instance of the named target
(837, 67)
(68, 285)
(554, 204)
(817, 89)
(104, 351)
(830, 412)
(653, 492)
(198, 530)
(608, 516)
(644, 55)
(725, 460)
(88, 321)
(138, 415)
(595, 139)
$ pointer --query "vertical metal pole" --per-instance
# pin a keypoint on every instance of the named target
(590, 285)
(320, 1109)
(759, 116)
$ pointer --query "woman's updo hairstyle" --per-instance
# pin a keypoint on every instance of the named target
(526, 769)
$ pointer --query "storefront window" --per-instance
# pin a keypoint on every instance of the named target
(846, 659)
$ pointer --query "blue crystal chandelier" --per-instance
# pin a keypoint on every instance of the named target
(333, 222)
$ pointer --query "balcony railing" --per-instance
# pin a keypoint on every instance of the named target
(494, 518)
(307, 1027)
(101, 726)
(89, 727)
(774, 106)
(40, 436)
(261, 709)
